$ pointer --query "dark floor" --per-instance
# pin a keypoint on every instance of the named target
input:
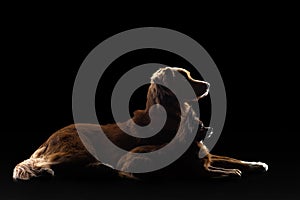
(277, 183)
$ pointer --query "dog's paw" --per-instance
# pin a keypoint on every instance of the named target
(233, 173)
(237, 172)
(217, 172)
(257, 166)
(263, 166)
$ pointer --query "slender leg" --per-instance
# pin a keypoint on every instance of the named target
(223, 172)
(245, 167)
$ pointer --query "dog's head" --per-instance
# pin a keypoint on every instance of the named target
(166, 84)
(172, 76)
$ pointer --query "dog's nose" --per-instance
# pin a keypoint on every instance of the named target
(207, 85)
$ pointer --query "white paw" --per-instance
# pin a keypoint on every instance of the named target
(259, 165)
(264, 165)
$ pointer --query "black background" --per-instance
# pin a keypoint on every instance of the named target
(255, 51)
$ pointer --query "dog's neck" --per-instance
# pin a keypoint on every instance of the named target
(176, 114)
(158, 94)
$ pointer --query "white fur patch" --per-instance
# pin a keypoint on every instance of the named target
(32, 167)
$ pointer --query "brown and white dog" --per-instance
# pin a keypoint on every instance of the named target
(64, 149)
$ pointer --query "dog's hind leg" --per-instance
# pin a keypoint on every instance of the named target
(244, 166)
(32, 168)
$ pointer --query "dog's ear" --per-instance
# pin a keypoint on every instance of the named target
(169, 76)
(169, 72)
(164, 76)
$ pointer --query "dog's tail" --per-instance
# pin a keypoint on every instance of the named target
(32, 168)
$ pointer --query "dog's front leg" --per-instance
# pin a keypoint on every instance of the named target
(205, 161)
(244, 166)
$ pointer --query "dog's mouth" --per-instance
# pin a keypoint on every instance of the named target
(203, 95)
(201, 88)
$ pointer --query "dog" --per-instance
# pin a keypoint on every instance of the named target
(64, 151)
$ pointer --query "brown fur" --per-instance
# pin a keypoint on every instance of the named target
(64, 147)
